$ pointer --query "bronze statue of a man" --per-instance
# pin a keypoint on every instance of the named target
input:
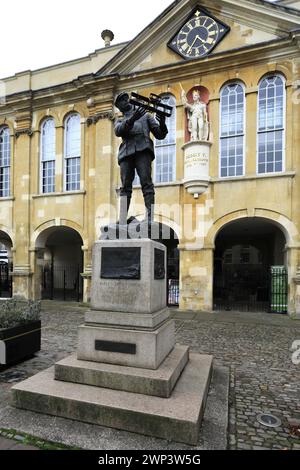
(137, 150)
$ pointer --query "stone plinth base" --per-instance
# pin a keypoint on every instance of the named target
(158, 382)
(176, 418)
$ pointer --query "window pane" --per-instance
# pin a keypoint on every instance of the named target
(48, 177)
(73, 136)
(271, 102)
(72, 174)
(48, 140)
(267, 153)
(4, 162)
(232, 130)
(165, 150)
(271, 114)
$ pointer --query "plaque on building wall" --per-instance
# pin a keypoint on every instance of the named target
(159, 264)
(121, 263)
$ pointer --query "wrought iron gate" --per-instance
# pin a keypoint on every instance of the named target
(252, 288)
(278, 289)
(5, 280)
(173, 292)
(61, 282)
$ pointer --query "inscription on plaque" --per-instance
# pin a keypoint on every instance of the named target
(111, 346)
(121, 263)
(159, 264)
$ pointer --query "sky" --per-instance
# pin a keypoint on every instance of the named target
(39, 33)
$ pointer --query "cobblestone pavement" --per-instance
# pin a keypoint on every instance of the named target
(256, 347)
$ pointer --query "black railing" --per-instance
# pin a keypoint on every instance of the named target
(5, 280)
(62, 282)
(252, 289)
(173, 292)
(278, 290)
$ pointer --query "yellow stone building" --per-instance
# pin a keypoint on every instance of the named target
(59, 176)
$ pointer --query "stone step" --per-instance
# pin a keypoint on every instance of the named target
(177, 418)
(158, 382)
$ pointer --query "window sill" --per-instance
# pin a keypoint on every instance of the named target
(7, 198)
(65, 193)
(286, 174)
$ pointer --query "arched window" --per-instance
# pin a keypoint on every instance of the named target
(232, 131)
(48, 156)
(72, 152)
(271, 124)
(4, 162)
(165, 150)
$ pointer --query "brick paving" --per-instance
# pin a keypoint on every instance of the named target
(256, 347)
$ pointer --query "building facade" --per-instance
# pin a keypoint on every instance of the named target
(59, 176)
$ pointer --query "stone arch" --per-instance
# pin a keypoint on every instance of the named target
(53, 224)
(7, 123)
(79, 109)
(282, 222)
(8, 232)
(249, 247)
(231, 81)
(278, 70)
(59, 260)
(41, 116)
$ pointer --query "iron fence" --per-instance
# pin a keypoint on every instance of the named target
(5, 280)
(173, 292)
(62, 282)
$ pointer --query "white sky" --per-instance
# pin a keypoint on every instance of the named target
(38, 33)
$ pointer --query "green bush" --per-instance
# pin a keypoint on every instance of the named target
(18, 312)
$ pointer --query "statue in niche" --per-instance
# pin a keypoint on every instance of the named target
(198, 124)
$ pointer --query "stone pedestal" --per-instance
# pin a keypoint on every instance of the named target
(129, 276)
(196, 166)
(128, 373)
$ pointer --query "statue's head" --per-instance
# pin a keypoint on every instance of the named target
(196, 95)
(122, 101)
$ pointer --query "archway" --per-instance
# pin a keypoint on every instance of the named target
(6, 265)
(59, 264)
(250, 267)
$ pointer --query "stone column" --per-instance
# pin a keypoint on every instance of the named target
(196, 278)
(293, 263)
(37, 263)
(22, 275)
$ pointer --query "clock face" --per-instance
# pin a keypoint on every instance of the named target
(198, 36)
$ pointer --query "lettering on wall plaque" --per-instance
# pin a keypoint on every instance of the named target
(121, 263)
(159, 264)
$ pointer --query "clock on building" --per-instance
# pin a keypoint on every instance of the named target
(199, 35)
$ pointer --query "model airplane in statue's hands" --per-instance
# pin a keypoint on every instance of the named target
(153, 104)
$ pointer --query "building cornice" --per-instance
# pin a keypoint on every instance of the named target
(104, 87)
